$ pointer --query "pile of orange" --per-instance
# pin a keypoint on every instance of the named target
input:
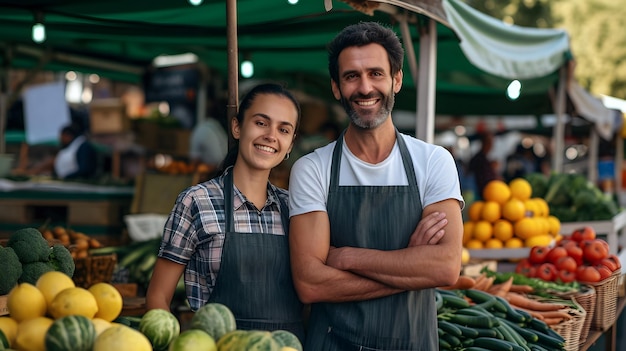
(509, 217)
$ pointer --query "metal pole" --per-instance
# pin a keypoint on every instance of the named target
(559, 129)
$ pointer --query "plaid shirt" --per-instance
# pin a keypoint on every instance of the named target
(195, 229)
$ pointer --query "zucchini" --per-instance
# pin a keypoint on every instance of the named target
(486, 332)
(493, 344)
(454, 301)
(474, 321)
(479, 296)
(550, 342)
(468, 332)
(527, 334)
(449, 328)
(512, 314)
(539, 325)
(452, 340)
(476, 348)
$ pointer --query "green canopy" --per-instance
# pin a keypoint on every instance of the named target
(119, 39)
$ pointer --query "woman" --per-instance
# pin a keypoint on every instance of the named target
(229, 234)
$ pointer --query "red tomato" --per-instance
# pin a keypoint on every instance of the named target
(555, 254)
(566, 276)
(526, 268)
(566, 263)
(576, 253)
(566, 242)
(584, 233)
(588, 274)
(615, 259)
(604, 271)
(594, 250)
(538, 254)
(547, 272)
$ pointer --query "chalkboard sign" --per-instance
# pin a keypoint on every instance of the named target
(178, 86)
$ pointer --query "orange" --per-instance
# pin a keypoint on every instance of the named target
(475, 210)
(474, 244)
(538, 240)
(520, 189)
(532, 210)
(498, 191)
(502, 230)
(483, 231)
(542, 206)
(514, 243)
(514, 210)
(491, 211)
(468, 228)
(554, 225)
(525, 228)
(493, 243)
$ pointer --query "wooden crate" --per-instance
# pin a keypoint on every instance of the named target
(108, 116)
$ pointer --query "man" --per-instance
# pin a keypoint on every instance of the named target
(77, 157)
(375, 216)
(483, 169)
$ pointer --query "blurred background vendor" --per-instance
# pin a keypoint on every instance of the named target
(77, 158)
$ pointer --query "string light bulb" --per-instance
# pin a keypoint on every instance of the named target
(39, 29)
(247, 68)
(195, 2)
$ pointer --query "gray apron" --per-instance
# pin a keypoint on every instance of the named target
(376, 217)
(254, 279)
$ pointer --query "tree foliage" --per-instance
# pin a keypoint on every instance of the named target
(596, 30)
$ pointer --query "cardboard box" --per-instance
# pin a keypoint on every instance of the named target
(4, 309)
(474, 267)
(108, 116)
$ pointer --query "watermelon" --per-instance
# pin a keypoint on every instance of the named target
(257, 340)
(4, 341)
(193, 340)
(215, 319)
(70, 333)
(160, 327)
(287, 338)
(229, 339)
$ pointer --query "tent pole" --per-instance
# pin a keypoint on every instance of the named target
(233, 64)
(425, 125)
(408, 45)
(559, 129)
(594, 150)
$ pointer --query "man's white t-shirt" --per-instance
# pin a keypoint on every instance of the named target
(435, 170)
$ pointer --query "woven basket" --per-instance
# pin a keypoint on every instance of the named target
(94, 269)
(586, 298)
(606, 302)
(571, 329)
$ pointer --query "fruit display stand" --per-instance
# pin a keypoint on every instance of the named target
(613, 229)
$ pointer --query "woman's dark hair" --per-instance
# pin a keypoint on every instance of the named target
(244, 105)
(361, 34)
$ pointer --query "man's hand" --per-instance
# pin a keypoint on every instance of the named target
(429, 230)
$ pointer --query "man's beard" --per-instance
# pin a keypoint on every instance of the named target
(378, 117)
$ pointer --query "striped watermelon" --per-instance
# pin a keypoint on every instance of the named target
(160, 327)
(4, 341)
(70, 333)
(229, 339)
(215, 319)
(287, 338)
(257, 340)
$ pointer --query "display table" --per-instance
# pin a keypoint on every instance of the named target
(611, 228)
(93, 209)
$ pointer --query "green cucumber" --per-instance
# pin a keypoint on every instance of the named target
(449, 328)
(474, 321)
(511, 313)
(454, 301)
(550, 342)
(467, 332)
(493, 344)
(526, 334)
(452, 340)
